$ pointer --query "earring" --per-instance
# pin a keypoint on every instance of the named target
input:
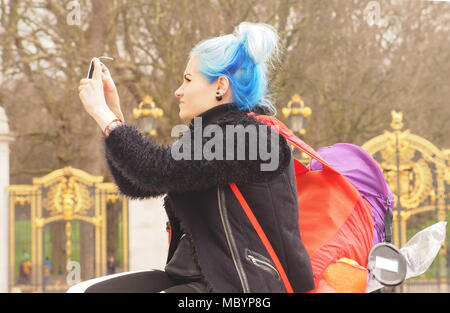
(218, 96)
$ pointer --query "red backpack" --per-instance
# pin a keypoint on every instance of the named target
(336, 224)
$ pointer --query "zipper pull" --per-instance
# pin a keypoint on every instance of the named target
(388, 222)
(253, 259)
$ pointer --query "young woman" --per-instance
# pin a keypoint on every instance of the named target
(213, 246)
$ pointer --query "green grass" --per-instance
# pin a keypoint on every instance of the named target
(22, 235)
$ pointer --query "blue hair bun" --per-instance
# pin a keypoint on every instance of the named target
(242, 58)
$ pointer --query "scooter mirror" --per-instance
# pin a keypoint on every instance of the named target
(387, 264)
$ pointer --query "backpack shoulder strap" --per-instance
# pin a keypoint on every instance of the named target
(262, 236)
(277, 125)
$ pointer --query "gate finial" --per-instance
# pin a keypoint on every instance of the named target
(397, 120)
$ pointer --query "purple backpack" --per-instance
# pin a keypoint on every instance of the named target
(363, 172)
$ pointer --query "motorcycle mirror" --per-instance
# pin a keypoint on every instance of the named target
(387, 264)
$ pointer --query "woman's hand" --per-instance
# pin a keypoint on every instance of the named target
(111, 93)
(92, 96)
(91, 92)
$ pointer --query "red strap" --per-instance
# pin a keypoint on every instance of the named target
(262, 236)
(278, 126)
(168, 230)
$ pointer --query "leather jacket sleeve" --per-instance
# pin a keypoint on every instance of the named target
(142, 168)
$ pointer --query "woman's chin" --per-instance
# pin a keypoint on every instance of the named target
(184, 116)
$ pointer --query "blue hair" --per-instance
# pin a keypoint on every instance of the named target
(242, 58)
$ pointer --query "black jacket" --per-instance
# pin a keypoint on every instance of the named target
(200, 204)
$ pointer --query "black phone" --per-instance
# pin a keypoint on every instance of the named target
(91, 70)
(91, 67)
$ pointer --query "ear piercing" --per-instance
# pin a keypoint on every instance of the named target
(218, 96)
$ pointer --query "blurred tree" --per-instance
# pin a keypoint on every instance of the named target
(350, 72)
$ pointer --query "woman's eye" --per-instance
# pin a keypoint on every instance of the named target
(187, 79)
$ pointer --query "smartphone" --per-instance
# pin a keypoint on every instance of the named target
(91, 67)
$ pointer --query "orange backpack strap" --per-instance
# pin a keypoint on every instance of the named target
(262, 236)
(278, 126)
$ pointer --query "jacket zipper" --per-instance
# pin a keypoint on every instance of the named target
(230, 240)
(261, 262)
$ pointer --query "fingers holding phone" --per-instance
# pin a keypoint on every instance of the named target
(97, 74)
(111, 93)
(100, 79)
(91, 90)
(108, 82)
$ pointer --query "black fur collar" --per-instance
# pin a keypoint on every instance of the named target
(219, 111)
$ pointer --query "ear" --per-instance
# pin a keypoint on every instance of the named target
(223, 84)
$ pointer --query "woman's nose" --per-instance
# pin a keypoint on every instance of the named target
(178, 92)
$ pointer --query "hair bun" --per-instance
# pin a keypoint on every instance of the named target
(261, 40)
